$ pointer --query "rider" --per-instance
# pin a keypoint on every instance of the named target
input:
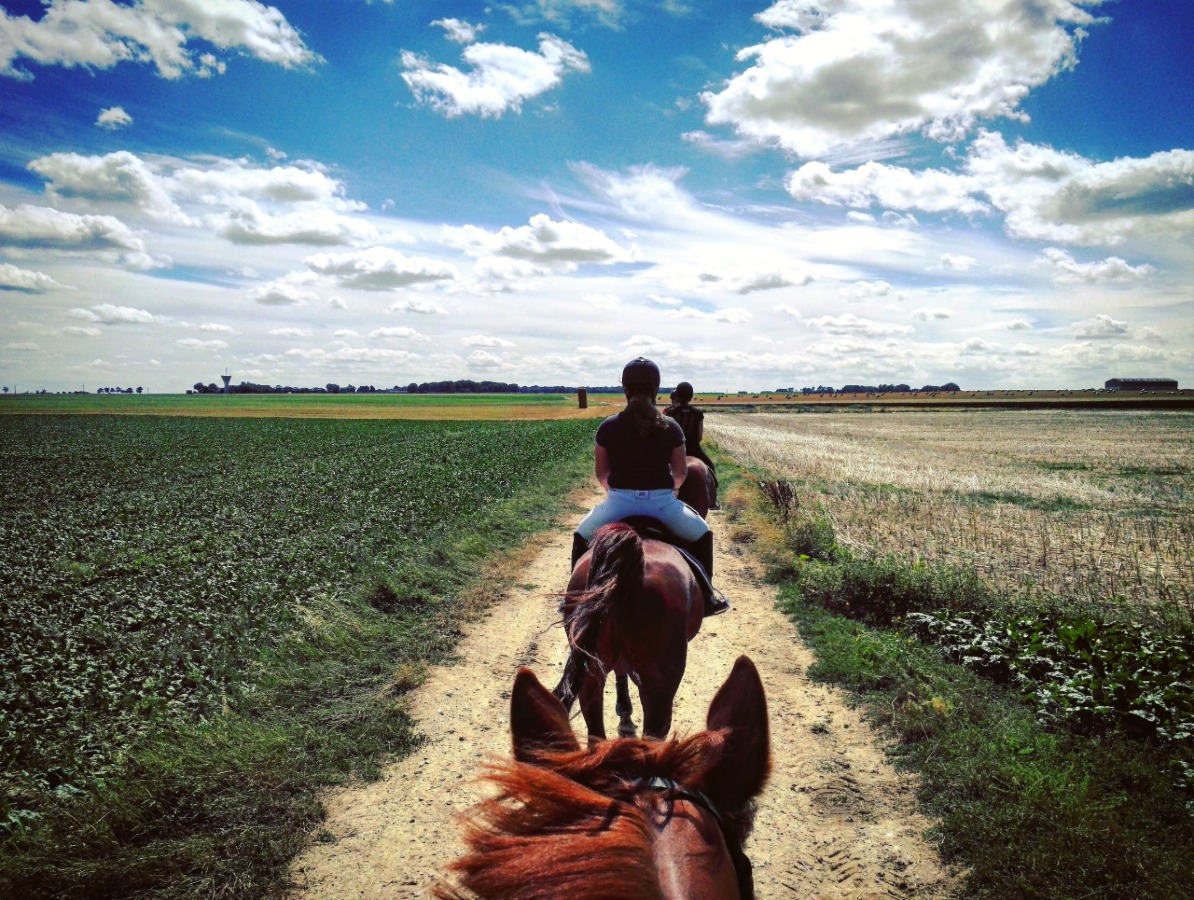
(641, 462)
(692, 420)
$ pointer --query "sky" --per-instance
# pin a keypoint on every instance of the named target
(998, 193)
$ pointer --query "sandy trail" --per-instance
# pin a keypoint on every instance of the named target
(836, 820)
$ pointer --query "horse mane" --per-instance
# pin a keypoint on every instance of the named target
(570, 824)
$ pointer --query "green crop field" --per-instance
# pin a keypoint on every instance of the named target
(189, 603)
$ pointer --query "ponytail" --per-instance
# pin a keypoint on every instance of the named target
(646, 416)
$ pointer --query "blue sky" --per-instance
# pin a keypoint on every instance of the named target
(756, 195)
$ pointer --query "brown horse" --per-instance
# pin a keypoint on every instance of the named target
(698, 489)
(632, 606)
(626, 819)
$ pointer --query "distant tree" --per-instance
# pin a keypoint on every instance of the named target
(6, 388)
(138, 390)
(332, 388)
(412, 388)
(348, 389)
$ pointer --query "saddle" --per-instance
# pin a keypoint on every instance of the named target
(648, 527)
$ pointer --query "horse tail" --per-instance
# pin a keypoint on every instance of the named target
(615, 578)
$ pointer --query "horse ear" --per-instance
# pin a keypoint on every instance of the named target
(538, 721)
(741, 707)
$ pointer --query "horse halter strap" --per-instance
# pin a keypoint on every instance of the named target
(676, 791)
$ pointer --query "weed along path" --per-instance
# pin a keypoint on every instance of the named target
(835, 821)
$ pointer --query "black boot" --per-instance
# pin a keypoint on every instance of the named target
(702, 549)
(579, 546)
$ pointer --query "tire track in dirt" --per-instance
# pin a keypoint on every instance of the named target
(836, 820)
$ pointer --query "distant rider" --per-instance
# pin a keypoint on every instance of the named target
(640, 460)
(692, 421)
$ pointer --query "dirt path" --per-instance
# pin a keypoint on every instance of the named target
(836, 820)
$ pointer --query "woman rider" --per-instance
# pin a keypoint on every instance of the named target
(641, 462)
(692, 420)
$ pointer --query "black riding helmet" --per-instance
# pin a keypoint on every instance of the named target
(641, 375)
(684, 392)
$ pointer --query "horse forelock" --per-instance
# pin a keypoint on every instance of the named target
(574, 822)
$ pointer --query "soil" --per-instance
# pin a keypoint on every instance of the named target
(836, 820)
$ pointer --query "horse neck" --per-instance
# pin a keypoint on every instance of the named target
(690, 855)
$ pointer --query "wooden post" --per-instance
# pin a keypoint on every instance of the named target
(582, 398)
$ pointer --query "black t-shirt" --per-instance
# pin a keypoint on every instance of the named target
(639, 464)
(690, 419)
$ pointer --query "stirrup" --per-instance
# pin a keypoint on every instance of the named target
(716, 604)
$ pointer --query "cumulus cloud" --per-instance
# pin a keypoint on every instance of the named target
(287, 291)
(1052, 195)
(485, 340)
(560, 244)
(528, 12)
(321, 358)
(603, 302)
(317, 227)
(290, 332)
(418, 305)
(955, 262)
(25, 281)
(110, 314)
(1019, 325)
(481, 359)
(47, 228)
(22, 346)
(113, 118)
(380, 269)
(767, 281)
(644, 193)
(729, 315)
(866, 290)
(890, 187)
(402, 332)
(848, 323)
(101, 34)
(458, 30)
(926, 314)
(499, 80)
(1112, 269)
(1101, 327)
(856, 70)
(196, 344)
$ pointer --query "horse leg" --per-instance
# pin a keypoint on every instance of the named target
(572, 679)
(592, 703)
(623, 707)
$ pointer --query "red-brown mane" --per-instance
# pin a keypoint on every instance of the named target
(571, 824)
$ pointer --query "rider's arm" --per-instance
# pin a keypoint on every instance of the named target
(679, 467)
(601, 465)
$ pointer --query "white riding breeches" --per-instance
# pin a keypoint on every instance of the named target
(678, 517)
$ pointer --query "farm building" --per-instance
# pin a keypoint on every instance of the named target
(1141, 384)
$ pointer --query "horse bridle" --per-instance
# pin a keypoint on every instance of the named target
(673, 791)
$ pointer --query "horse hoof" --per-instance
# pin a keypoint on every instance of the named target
(627, 731)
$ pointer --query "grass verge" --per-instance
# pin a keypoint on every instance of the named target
(1027, 805)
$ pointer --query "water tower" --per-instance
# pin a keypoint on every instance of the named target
(226, 378)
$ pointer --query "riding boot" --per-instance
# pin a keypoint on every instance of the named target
(702, 549)
(579, 546)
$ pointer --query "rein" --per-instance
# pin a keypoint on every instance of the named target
(673, 791)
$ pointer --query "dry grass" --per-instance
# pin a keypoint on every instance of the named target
(1089, 504)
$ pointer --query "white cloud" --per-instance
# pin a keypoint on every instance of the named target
(862, 70)
(458, 30)
(113, 118)
(402, 332)
(956, 262)
(729, 315)
(528, 12)
(321, 358)
(100, 34)
(767, 281)
(1099, 328)
(196, 344)
(337, 303)
(660, 300)
(485, 340)
(926, 314)
(1019, 325)
(1112, 269)
(1051, 195)
(212, 327)
(603, 302)
(82, 330)
(13, 278)
(291, 332)
(380, 269)
(543, 240)
(866, 290)
(644, 193)
(109, 314)
(286, 291)
(499, 80)
(318, 227)
(418, 305)
(890, 187)
(45, 227)
(848, 323)
(22, 346)
(480, 359)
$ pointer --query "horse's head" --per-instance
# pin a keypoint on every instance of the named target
(625, 818)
